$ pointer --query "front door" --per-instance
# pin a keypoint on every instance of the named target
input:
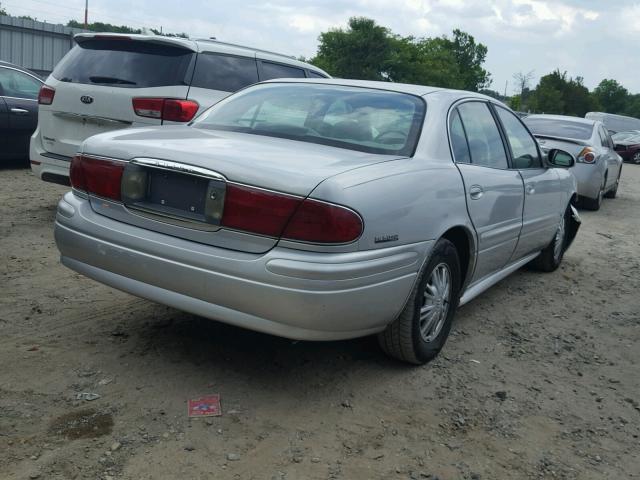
(20, 93)
(495, 193)
(4, 127)
(542, 187)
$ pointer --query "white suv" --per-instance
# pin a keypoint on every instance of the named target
(110, 81)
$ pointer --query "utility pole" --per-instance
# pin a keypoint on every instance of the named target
(505, 87)
(86, 14)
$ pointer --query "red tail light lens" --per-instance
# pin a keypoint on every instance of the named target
(321, 222)
(257, 211)
(179, 110)
(170, 109)
(45, 97)
(97, 176)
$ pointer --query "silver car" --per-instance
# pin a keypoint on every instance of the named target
(321, 210)
(598, 168)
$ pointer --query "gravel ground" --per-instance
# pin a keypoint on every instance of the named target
(539, 378)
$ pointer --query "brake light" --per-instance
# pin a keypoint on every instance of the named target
(45, 97)
(257, 211)
(170, 109)
(321, 222)
(587, 155)
(100, 177)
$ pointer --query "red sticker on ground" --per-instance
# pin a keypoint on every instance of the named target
(207, 406)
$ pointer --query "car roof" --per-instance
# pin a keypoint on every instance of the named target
(203, 45)
(419, 90)
(18, 67)
(569, 118)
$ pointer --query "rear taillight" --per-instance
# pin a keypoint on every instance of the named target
(100, 177)
(257, 211)
(321, 222)
(587, 155)
(170, 109)
(45, 97)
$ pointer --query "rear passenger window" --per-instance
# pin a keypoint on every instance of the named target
(313, 74)
(224, 72)
(485, 143)
(523, 146)
(459, 140)
(276, 70)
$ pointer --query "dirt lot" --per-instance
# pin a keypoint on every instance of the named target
(540, 378)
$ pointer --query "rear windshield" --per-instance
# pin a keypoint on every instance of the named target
(359, 119)
(553, 127)
(127, 64)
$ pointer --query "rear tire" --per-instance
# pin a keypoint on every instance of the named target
(594, 203)
(422, 328)
(551, 257)
(614, 191)
(636, 158)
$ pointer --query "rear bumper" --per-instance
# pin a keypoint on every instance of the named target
(48, 167)
(285, 292)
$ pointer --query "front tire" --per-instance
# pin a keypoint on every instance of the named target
(422, 328)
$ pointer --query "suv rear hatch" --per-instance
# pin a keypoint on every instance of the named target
(96, 82)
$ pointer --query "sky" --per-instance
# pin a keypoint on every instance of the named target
(594, 39)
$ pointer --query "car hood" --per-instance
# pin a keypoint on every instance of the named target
(279, 164)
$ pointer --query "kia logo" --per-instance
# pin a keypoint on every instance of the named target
(86, 99)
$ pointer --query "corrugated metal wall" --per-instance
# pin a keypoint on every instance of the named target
(37, 46)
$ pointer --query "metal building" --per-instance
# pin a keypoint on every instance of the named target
(38, 46)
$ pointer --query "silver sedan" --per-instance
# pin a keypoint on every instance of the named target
(322, 210)
(598, 167)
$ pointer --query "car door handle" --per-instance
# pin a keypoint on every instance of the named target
(20, 111)
(530, 189)
(476, 192)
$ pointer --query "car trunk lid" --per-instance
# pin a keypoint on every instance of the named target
(186, 165)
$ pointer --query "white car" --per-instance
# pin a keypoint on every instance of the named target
(109, 82)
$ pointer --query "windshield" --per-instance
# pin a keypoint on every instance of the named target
(553, 127)
(359, 119)
(125, 64)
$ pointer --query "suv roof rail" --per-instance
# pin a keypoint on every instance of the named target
(213, 40)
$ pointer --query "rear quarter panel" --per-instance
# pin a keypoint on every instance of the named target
(402, 201)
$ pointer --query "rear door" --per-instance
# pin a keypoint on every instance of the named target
(20, 94)
(96, 82)
(495, 193)
(542, 187)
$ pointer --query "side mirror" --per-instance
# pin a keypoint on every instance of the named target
(560, 158)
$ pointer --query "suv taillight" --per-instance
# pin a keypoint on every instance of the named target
(100, 177)
(170, 109)
(45, 97)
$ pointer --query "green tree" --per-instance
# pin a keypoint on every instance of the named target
(104, 27)
(633, 106)
(366, 50)
(470, 57)
(612, 96)
(558, 93)
(362, 51)
(2, 10)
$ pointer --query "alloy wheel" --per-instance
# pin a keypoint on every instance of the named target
(436, 301)
(636, 158)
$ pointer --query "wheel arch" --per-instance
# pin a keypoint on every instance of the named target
(464, 241)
